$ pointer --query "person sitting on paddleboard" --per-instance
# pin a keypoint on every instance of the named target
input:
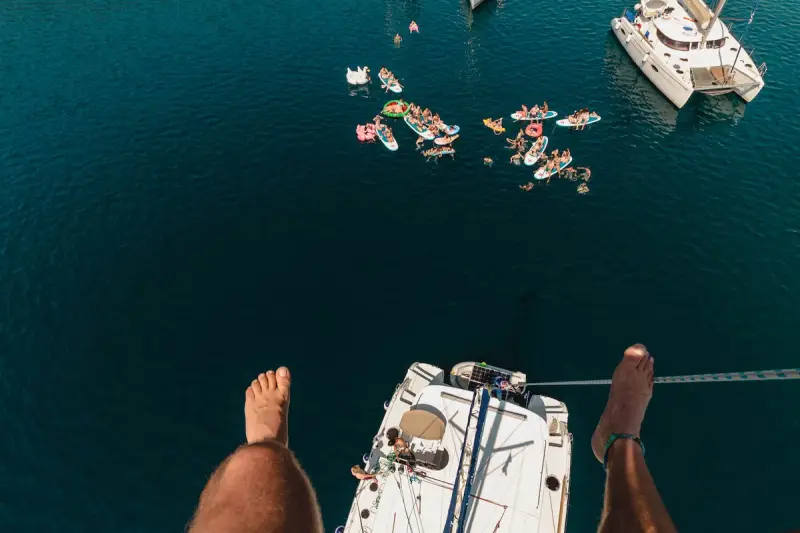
(545, 108)
(523, 112)
(566, 155)
(534, 112)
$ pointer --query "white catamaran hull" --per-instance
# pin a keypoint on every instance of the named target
(641, 53)
(683, 48)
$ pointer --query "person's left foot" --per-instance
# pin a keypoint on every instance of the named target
(266, 407)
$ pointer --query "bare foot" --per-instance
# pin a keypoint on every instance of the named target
(631, 390)
(266, 407)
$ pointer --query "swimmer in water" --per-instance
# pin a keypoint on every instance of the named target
(527, 187)
(397, 39)
(420, 142)
(587, 174)
(488, 161)
(516, 159)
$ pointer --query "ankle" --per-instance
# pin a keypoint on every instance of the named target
(623, 452)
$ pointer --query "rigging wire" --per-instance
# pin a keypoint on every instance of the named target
(755, 375)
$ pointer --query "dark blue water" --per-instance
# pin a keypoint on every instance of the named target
(185, 204)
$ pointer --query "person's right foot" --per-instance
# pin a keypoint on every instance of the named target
(266, 407)
(631, 390)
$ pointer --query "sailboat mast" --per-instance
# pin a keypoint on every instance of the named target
(717, 11)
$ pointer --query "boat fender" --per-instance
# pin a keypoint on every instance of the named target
(386, 405)
(628, 38)
(645, 58)
(617, 24)
(339, 529)
(365, 458)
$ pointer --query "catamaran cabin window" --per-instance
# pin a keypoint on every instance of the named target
(716, 43)
(675, 45)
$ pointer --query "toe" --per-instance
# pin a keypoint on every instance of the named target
(273, 383)
(255, 386)
(284, 379)
(264, 381)
(249, 394)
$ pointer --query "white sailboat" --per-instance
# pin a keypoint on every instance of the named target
(683, 47)
(486, 456)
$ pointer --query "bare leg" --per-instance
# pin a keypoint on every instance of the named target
(260, 488)
(632, 503)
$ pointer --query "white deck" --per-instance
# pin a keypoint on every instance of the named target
(517, 453)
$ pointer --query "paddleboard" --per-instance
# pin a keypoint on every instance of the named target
(391, 145)
(441, 141)
(549, 114)
(394, 87)
(451, 130)
(531, 158)
(565, 123)
(425, 134)
(540, 174)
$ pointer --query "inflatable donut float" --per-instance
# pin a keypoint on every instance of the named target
(534, 129)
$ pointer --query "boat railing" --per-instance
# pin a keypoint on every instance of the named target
(762, 69)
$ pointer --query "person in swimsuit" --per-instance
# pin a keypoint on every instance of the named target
(527, 187)
(586, 173)
(523, 113)
(412, 28)
(535, 112)
(397, 39)
(545, 108)
(516, 159)
(420, 142)
(488, 161)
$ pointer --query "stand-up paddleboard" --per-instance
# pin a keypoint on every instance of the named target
(391, 145)
(539, 116)
(450, 130)
(565, 123)
(394, 87)
(416, 128)
(532, 157)
(541, 174)
(443, 141)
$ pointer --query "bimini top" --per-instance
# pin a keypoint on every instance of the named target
(422, 424)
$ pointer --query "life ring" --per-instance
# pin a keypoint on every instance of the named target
(534, 129)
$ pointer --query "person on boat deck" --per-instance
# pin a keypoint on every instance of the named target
(399, 445)
(360, 474)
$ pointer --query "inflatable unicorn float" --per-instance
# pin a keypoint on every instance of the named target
(359, 76)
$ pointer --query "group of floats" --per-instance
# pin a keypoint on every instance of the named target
(557, 162)
(427, 125)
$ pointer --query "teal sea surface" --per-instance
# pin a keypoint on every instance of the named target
(185, 204)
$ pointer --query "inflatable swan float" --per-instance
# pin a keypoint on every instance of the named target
(360, 76)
